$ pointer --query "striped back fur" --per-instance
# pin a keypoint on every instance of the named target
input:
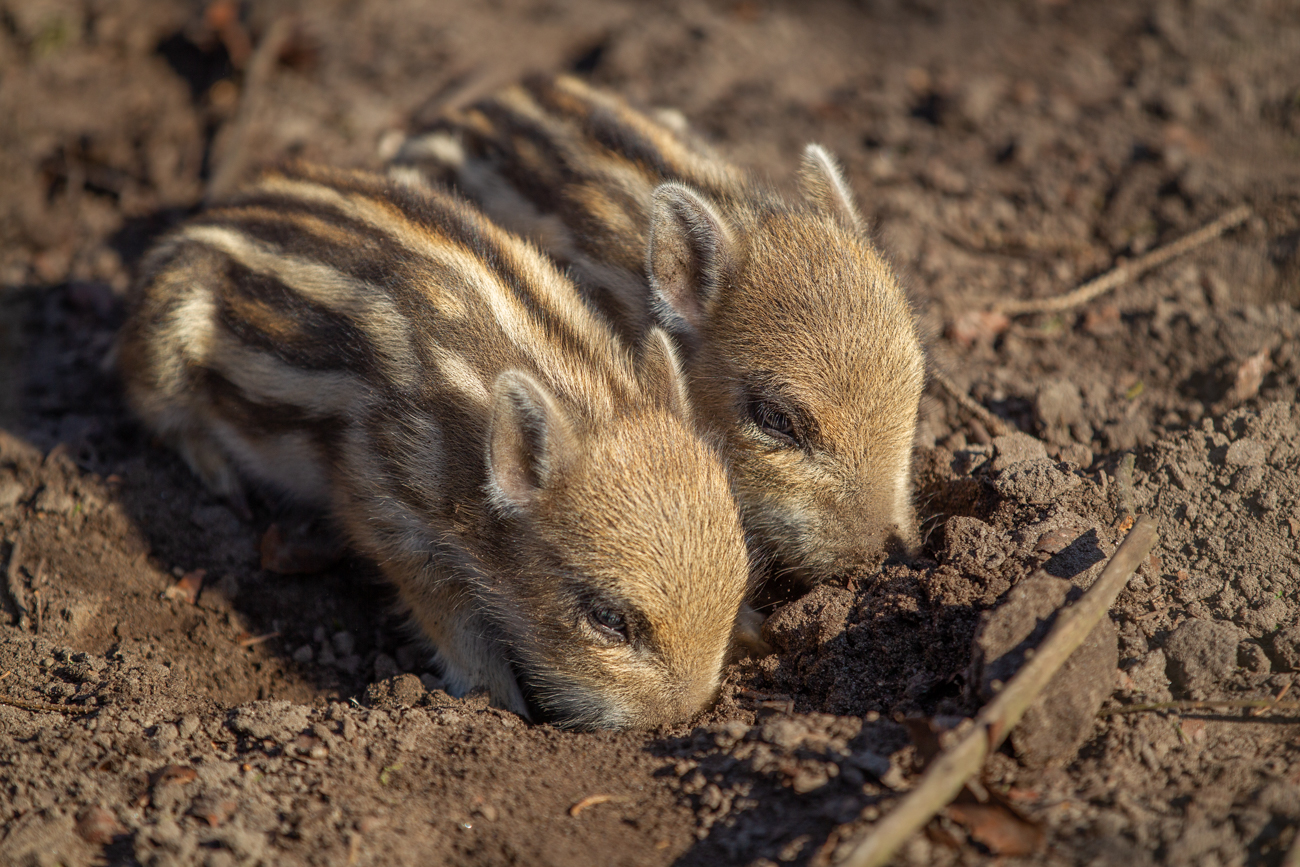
(535, 490)
(800, 347)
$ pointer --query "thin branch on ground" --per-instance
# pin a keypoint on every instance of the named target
(261, 67)
(12, 583)
(43, 707)
(995, 425)
(1126, 271)
(951, 770)
(1209, 704)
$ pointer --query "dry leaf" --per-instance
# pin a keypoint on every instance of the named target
(997, 828)
(1250, 376)
(168, 774)
(187, 588)
(213, 811)
(590, 801)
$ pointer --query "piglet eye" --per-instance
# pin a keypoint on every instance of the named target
(772, 421)
(607, 622)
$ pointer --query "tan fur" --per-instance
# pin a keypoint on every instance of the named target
(783, 309)
(537, 494)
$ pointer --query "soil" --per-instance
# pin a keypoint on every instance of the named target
(999, 149)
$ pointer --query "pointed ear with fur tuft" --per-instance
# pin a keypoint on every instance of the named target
(660, 371)
(690, 255)
(824, 187)
(529, 437)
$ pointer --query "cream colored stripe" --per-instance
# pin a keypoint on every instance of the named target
(458, 373)
(188, 337)
(371, 311)
(387, 221)
(475, 277)
(266, 379)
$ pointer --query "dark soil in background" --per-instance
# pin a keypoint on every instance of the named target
(1000, 149)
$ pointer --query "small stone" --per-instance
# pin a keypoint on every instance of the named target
(1286, 648)
(732, 732)
(1058, 405)
(188, 725)
(278, 721)
(1077, 454)
(1016, 448)
(784, 733)
(810, 620)
(403, 690)
(304, 654)
(99, 826)
(1248, 480)
(1062, 717)
(11, 491)
(55, 501)
(1035, 481)
(808, 779)
(1202, 654)
(1246, 452)
(344, 644)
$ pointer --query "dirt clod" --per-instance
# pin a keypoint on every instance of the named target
(1062, 718)
(1202, 654)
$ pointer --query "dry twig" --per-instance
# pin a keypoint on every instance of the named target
(591, 801)
(238, 149)
(1126, 271)
(1263, 704)
(37, 602)
(12, 583)
(43, 707)
(952, 768)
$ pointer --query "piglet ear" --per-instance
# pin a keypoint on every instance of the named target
(529, 437)
(824, 187)
(690, 255)
(661, 374)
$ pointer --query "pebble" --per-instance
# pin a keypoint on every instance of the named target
(1016, 448)
(1035, 481)
(1246, 452)
(11, 491)
(1286, 648)
(1201, 655)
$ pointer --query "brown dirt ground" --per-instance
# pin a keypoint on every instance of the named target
(1000, 148)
